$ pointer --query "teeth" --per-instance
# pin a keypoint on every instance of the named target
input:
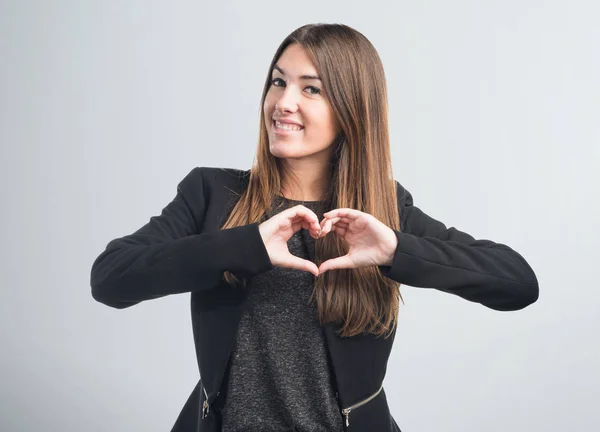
(286, 126)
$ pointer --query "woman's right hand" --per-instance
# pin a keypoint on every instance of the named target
(277, 230)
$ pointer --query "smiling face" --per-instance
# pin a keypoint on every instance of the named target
(297, 99)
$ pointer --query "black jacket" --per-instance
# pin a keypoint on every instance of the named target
(183, 250)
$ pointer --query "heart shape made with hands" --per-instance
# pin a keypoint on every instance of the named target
(370, 241)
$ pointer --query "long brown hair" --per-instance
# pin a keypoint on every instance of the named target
(362, 299)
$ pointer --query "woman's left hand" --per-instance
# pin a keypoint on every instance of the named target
(371, 241)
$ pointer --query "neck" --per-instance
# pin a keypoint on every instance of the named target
(306, 180)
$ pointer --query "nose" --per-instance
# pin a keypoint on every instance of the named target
(288, 101)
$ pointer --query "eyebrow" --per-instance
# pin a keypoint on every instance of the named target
(308, 77)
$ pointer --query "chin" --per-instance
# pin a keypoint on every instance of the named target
(283, 154)
(290, 150)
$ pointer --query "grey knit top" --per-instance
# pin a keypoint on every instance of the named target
(280, 377)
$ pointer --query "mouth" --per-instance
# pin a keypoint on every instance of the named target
(285, 129)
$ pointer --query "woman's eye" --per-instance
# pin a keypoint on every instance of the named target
(315, 91)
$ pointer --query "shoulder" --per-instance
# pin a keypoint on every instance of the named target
(405, 204)
(202, 174)
(213, 180)
(403, 195)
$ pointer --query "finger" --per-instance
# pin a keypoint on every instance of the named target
(336, 220)
(305, 213)
(325, 227)
(330, 225)
(340, 226)
(298, 219)
(299, 222)
(336, 263)
(324, 223)
(298, 226)
(343, 212)
(341, 231)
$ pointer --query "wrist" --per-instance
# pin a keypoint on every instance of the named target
(390, 249)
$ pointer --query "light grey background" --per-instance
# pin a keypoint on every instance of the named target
(106, 106)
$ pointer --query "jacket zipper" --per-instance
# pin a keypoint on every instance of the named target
(205, 404)
(346, 411)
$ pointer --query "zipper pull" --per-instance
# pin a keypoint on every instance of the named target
(205, 404)
(346, 413)
(205, 408)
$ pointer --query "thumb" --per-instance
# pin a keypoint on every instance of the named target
(336, 263)
(292, 261)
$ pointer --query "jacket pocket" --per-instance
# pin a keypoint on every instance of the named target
(346, 411)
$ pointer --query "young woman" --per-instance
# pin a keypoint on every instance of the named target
(294, 266)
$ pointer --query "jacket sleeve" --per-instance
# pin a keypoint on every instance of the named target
(168, 256)
(429, 255)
